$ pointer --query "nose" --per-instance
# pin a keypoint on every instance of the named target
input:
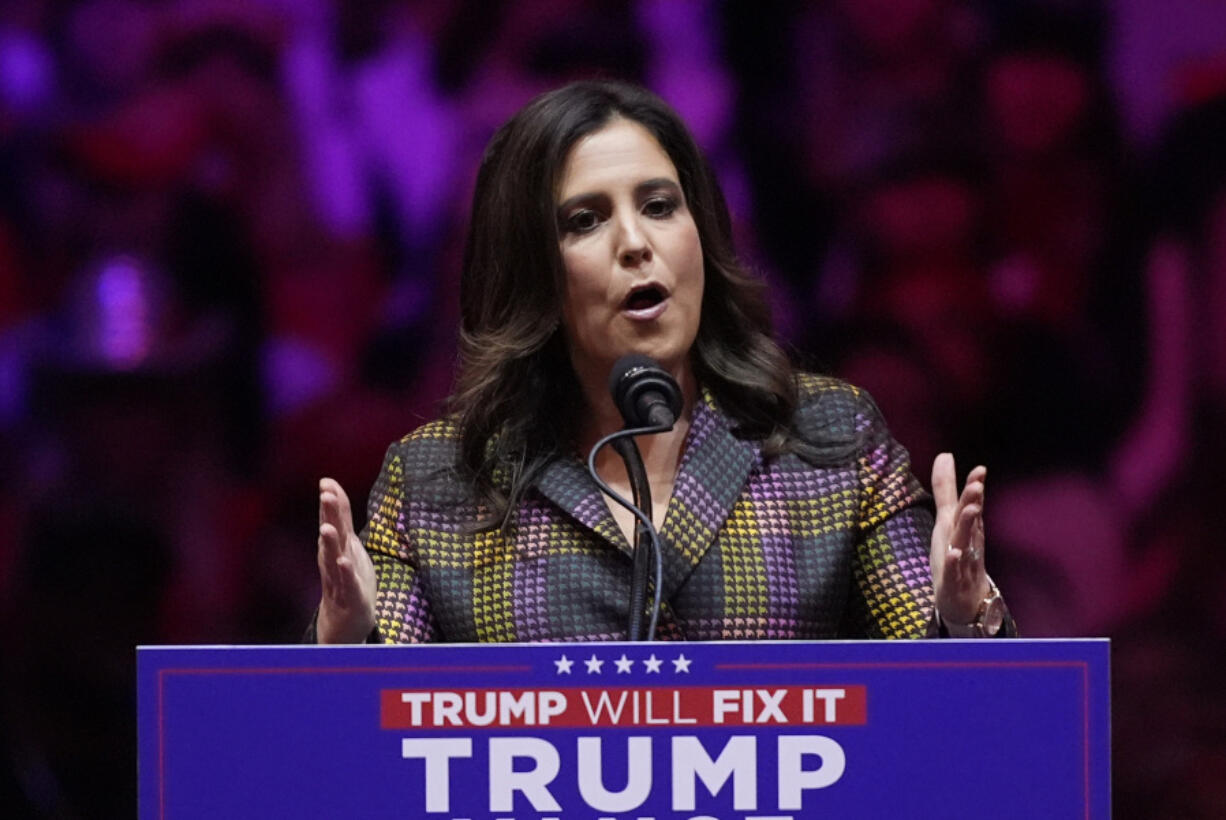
(633, 248)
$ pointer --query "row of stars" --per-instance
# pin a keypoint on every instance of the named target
(651, 664)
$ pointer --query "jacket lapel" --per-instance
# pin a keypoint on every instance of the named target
(714, 469)
(565, 482)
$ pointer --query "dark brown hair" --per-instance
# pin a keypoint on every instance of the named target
(517, 400)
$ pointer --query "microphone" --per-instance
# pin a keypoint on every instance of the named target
(644, 392)
(649, 401)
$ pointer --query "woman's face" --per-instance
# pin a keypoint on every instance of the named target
(634, 271)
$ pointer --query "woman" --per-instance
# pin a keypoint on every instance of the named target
(785, 507)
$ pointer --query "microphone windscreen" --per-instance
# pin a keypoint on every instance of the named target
(638, 384)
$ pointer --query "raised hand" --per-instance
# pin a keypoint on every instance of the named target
(347, 606)
(958, 575)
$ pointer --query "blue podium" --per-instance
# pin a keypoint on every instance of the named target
(587, 731)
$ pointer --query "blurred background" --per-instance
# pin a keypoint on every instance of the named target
(229, 247)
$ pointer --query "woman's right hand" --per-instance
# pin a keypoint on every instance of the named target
(347, 607)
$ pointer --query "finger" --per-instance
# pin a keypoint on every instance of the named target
(330, 516)
(964, 566)
(345, 512)
(328, 508)
(332, 542)
(342, 514)
(980, 475)
(972, 493)
(964, 526)
(944, 485)
(329, 545)
(329, 556)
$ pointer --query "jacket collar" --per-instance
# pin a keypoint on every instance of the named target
(715, 465)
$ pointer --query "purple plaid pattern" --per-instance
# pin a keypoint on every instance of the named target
(753, 548)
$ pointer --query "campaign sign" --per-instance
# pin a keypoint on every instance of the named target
(700, 731)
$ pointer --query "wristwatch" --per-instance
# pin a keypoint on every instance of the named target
(988, 620)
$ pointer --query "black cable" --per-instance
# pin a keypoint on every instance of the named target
(628, 449)
(643, 519)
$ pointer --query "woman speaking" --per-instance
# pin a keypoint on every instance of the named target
(785, 509)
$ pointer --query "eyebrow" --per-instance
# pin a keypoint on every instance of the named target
(645, 185)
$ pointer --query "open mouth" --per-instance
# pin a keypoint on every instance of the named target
(644, 298)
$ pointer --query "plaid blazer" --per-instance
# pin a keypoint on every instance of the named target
(752, 548)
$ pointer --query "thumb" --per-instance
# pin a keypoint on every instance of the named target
(945, 487)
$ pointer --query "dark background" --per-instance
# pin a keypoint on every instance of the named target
(229, 246)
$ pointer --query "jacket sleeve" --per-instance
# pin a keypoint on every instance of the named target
(892, 593)
(402, 607)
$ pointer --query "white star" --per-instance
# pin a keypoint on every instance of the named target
(681, 664)
(623, 664)
(653, 664)
(593, 665)
(564, 664)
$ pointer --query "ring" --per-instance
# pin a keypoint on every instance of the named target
(974, 553)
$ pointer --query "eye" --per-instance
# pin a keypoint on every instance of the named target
(581, 221)
(660, 207)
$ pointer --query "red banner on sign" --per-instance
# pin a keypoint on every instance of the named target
(637, 707)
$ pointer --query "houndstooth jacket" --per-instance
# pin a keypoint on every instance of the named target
(753, 548)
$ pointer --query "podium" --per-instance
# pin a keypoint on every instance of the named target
(585, 731)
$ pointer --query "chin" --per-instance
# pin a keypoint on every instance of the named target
(672, 357)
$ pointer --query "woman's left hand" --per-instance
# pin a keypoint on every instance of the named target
(958, 576)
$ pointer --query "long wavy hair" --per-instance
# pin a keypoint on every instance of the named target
(517, 400)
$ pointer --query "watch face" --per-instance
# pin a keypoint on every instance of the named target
(994, 616)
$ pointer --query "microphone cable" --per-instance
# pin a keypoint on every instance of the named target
(643, 520)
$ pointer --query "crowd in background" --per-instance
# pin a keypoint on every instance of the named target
(229, 247)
